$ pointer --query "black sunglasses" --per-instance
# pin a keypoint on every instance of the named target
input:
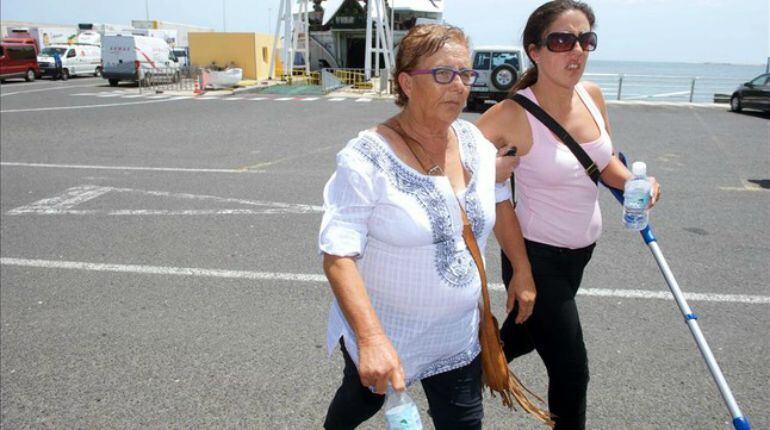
(565, 41)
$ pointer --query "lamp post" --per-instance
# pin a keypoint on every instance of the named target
(224, 15)
(147, 9)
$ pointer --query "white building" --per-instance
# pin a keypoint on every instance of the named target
(338, 28)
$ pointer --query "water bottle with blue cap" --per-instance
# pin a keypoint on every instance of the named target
(636, 198)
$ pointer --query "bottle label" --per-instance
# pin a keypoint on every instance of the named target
(403, 417)
(637, 201)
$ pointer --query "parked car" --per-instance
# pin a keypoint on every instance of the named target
(135, 58)
(499, 67)
(754, 94)
(18, 60)
(76, 60)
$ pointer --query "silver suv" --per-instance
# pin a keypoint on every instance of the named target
(499, 67)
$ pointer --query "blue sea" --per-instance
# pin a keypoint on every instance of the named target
(651, 81)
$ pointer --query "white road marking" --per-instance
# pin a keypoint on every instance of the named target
(259, 98)
(665, 295)
(160, 270)
(666, 104)
(84, 107)
(309, 99)
(308, 277)
(364, 99)
(64, 87)
(336, 99)
(233, 98)
(69, 199)
(64, 203)
(284, 98)
(157, 96)
(132, 96)
(107, 95)
(151, 169)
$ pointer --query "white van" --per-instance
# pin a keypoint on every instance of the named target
(76, 60)
(135, 58)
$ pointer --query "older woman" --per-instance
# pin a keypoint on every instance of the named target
(406, 288)
(558, 208)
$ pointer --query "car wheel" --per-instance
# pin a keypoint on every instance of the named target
(735, 103)
(113, 82)
(98, 72)
(503, 77)
(30, 76)
(65, 74)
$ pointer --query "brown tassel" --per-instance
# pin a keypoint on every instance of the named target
(517, 391)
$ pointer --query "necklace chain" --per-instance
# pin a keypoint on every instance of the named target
(436, 170)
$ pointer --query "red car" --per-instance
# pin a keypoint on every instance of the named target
(18, 60)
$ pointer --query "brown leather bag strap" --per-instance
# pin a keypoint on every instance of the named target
(470, 242)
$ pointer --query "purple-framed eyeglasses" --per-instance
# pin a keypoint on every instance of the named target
(445, 75)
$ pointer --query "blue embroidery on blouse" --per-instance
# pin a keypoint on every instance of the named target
(450, 363)
(472, 204)
(454, 267)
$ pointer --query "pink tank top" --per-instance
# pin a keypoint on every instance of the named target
(557, 201)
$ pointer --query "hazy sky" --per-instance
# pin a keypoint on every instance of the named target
(722, 31)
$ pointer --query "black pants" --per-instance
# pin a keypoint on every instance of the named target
(554, 329)
(454, 398)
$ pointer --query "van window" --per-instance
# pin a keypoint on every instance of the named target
(481, 61)
(22, 52)
(71, 53)
(48, 52)
(511, 58)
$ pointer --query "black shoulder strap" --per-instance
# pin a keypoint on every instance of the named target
(588, 164)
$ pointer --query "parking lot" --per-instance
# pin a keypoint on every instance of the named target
(159, 264)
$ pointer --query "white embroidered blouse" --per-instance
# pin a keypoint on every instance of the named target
(405, 229)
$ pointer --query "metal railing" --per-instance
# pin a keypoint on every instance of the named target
(299, 77)
(170, 79)
(662, 87)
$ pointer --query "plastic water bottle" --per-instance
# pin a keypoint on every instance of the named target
(636, 197)
(401, 412)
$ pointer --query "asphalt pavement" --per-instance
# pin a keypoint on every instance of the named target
(159, 264)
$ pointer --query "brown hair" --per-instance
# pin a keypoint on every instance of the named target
(537, 24)
(422, 41)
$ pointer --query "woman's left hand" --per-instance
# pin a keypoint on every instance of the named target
(655, 191)
(504, 164)
(521, 290)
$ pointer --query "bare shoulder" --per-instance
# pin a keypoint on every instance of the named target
(595, 92)
(499, 123)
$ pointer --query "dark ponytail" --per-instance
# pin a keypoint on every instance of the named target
(537, 24)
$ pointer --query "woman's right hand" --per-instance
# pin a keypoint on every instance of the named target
(378, 364)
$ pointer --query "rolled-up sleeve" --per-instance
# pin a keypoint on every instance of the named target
(503, 191)
(349, 199)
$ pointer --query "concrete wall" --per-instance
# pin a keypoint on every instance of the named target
(249, 51)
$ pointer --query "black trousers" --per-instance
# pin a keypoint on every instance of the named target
(554, 329)
(454, 398)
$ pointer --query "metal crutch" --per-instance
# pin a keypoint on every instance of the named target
(740, 422)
